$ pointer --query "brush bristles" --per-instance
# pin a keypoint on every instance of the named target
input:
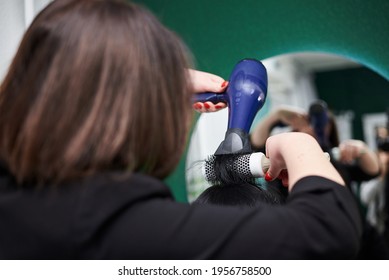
(228, 168)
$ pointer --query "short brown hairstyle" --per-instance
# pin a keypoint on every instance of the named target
(95, 85)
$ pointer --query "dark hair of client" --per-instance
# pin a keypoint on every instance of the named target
(231, 188)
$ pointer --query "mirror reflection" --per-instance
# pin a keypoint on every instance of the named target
(353, 93)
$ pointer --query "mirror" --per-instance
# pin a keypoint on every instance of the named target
(355, 94)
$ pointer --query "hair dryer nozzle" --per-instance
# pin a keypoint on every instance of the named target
(235, 141)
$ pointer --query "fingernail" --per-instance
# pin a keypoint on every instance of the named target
(225, 83)
(268, 177)
(197, 106)
(206, 106)
(218, 107)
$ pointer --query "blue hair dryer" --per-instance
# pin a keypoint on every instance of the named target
(245, 96)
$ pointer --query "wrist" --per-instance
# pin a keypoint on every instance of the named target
(299, 145)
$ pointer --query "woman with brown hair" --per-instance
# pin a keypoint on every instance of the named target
(95, 111)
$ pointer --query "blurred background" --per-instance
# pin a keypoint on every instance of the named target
(15, 17)
(335, 50)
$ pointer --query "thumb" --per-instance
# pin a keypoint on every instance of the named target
(272, 173)
(204, 81)
(217, 85)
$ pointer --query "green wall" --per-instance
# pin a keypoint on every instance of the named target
(358, 89)
(220, 33)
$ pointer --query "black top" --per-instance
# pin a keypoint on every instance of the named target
(116, 216)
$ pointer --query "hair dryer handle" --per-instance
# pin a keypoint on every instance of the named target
(210, 97)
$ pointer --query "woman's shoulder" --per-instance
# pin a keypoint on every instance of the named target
(121, 185)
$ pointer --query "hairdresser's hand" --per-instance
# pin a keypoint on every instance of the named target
(351, 150)
(277, 167)
(357, 151)
(301, 156)
(203, 82)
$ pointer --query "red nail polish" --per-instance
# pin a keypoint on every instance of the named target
(225, 83)
(206, 106)
(218, 107)
(268, 177)
(197, 106)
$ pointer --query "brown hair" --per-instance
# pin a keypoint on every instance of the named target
(95, 85)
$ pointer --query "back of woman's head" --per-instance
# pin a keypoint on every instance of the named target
(238, 194)
(95, 85)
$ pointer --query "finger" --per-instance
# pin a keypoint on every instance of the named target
(343, 152)
(218, 86)
(208, 107)
(203, 81)
(215, 78)
(224, 85)
(284, 177)
(220, 106)
(199, 107)
(271, 173)
(348, 153)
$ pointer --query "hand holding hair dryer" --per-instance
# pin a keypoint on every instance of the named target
(245, 96)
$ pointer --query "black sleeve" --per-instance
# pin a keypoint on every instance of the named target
(320, 201)
(320, 220)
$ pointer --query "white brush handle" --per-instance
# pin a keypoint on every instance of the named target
(258, 170)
